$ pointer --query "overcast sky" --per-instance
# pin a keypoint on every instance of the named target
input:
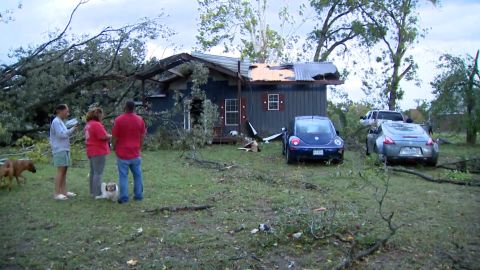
(454, 28)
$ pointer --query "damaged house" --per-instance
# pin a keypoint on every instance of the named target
(265, 96)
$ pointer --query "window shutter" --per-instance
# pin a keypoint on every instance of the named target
(222, 112)
(243, 109)
(281, 102)
(265, 102)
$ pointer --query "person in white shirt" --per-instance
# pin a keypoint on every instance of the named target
(60, 143)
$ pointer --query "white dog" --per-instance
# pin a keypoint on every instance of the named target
(109, 191)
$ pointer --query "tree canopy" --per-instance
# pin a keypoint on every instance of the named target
(396, 23)
(240, 25)
(337, 23)
(78, 70)
(457, 91)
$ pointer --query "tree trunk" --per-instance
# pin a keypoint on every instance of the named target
(393, 88)
(472, 124)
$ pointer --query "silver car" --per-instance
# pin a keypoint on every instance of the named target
(397, 141)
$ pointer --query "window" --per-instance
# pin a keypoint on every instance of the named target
(273, 102)
(232, 113)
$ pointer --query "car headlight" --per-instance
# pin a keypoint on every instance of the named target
(337, 142)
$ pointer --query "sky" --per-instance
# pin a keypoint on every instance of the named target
(453, 27)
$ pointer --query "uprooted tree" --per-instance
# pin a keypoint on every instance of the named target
(78, 70)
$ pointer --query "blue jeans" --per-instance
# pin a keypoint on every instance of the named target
(135, 165)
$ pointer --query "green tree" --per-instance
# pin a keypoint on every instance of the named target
(397, 24)
(338, 23)
(240, 25)
(78, 70)
(457, 90)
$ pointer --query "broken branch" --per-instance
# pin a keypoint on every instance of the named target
(211, 164)
(178, 208)
(432, 179)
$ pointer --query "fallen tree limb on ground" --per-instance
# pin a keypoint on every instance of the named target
(209, 164)
(432, 179)
(467, 165)
(178, 208)
(364, 253)
(353, 255)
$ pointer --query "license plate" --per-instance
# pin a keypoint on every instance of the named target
(410, 151)
(318, 152)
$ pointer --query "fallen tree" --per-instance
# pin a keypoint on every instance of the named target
(79, 70)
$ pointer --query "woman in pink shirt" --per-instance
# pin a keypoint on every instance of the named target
(97, 146)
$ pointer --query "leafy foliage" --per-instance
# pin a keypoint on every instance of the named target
(240, 25)
(396, 24)
(345, 116)
(338, 23)
(457, 91)
(203, 113)
(77, 70)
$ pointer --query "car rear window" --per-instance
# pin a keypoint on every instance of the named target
(404, 129)
(313, 126)
(394, 116)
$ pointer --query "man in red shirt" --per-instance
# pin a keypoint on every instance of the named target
(127, 139)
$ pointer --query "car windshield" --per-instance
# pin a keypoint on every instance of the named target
(404, 129)
(394, 116)
(313, 126)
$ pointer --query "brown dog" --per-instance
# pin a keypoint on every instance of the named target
(6, 170)
(14, 168)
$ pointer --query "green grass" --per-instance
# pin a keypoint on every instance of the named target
(441, 221)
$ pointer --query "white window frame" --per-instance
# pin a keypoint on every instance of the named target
(277, 102)
(237, 112)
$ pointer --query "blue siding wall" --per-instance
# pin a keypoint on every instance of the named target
(299, 100)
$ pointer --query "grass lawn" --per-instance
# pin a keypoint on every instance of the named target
(441, 222)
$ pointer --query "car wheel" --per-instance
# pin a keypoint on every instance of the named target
(366, 147)
(283, 149)
(288, 158)
(381, 157)
(337, 161)
(432, 162)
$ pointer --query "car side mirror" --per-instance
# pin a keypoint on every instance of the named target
(338, 132)
(362, 117)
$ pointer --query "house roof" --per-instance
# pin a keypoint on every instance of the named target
(316, 72)
(313, 72)
(264, 72)
(230, 63)
(226, 65)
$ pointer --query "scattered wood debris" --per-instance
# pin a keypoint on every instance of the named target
(250, 146)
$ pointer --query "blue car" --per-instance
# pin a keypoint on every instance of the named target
(312, 137)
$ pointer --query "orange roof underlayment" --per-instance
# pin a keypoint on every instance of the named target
(312, 72)
(263, 72)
